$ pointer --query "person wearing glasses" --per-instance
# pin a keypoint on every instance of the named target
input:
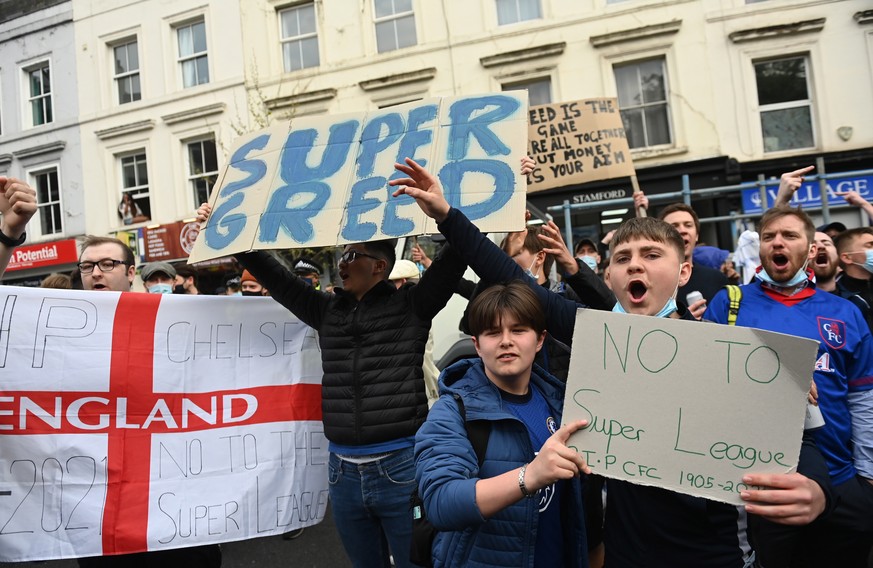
(106, 265)
(372, 337)
(17, 206)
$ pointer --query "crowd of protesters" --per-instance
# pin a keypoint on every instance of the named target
(485, 448)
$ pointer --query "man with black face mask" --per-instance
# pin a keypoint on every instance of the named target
(249, 286)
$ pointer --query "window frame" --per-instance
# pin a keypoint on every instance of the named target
(643, 106)
(393, 18)
(194, 55)
(29, 99)
(518, 19)
(299, 38)
(35, 226)
(524, 83)
(118, 77)
(144, 190)
(808, 102)
(193, 177)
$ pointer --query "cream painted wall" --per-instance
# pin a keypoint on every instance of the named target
(168, 115)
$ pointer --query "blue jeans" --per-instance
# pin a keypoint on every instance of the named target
(371, 508)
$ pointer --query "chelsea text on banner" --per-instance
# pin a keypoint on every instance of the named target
(133, 422)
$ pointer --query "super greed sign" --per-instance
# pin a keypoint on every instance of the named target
(322, 181)
(808, 195)
(132, 422)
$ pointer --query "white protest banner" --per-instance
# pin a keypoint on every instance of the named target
(133, 422)
(686, 406)
(320, 181)
(577, 142)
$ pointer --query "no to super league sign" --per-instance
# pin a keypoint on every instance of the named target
(133, 422)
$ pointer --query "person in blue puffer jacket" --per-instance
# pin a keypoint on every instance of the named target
(523, 507)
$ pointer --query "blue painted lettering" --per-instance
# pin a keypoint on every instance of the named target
(452, 174)
(464, 125)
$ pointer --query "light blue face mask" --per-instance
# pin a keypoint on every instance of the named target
(796, 280)
(868, 263)
(590, 261)
(528, 271)
(161, 289)
(666, 311)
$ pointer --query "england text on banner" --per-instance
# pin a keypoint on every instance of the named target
(133, 422)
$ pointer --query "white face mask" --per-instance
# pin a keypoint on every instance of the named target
(529, 270)
(590, 261)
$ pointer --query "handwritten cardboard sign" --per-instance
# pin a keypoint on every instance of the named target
(577, 142)
(320, 181)
(686, 406)
(133, 422)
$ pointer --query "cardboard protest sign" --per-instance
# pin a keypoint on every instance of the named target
(319, 181)
(133, 422)
(577, 142)
(686, 406)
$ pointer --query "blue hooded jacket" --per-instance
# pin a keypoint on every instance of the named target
(447, 469)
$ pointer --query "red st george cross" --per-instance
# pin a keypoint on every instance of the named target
(129, 449)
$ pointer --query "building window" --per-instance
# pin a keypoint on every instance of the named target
(192, 54)
(48, 199)
(202, 169)
(40, 93)
(127, 72)
(514, 11)
(299, 37)
(395, 25)
(539, 91)
(785, 104)
(135, 201)
(642, 97)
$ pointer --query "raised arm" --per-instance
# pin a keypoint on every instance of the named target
(18, 205)
(590, 288)
(789, 183)
(483, 256)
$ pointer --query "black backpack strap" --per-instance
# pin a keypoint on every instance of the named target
(478, 431)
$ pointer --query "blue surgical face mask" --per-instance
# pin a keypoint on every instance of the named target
(530, 268)
(161, 289)
(590, 261)
(868, 263)
(800, 277)
(664, 312)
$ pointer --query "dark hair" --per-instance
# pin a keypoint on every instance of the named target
(775, 213)
(651, 229)
(186, 272)
(533, 245)
(92, 241)
(516, 299)
(844, 239)
(674, 207)
(383, 249)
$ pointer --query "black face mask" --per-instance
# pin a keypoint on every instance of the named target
(250, 293)
(179, 289)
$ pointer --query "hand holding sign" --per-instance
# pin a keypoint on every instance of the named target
(788, 499)
(555, 460)
(422, 186)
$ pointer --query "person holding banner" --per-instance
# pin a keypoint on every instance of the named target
(372, 337)
(520, 503)
(784, 298)
(645, 525)
(109, 265)
(17, 206)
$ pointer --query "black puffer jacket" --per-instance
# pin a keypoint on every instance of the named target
(371, 350)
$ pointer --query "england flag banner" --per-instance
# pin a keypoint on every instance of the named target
(135, 422)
